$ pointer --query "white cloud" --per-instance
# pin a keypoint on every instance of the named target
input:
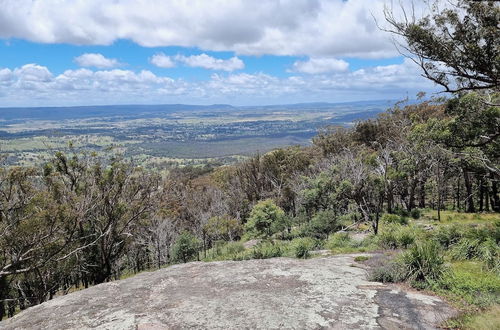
(212, 63)
(316, 28)
(35, 85)
(96, 60)
(162, 61)
(320, 65)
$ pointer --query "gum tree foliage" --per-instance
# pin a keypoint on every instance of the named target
(186, 247)
(456, 45)
(266, 219)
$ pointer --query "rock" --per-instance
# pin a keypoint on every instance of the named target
(251, 243)
(281, 293)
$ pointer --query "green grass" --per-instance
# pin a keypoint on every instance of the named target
(449, 217)
(340, 243)
(361, 258)
(470, 284)
(488, 319)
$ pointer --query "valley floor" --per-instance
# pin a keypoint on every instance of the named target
(329, 292)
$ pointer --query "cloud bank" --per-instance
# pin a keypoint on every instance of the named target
(316, 28)
(40, 86)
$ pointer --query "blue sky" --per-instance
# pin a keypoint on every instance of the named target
(239, 52)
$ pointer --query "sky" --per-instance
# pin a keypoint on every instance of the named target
(240, 52)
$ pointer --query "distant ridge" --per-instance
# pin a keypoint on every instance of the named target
(89, 111)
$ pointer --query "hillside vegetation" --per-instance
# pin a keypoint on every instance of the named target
(420, 181)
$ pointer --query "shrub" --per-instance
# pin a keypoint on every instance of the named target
(223, 228)
(465, 249)
(267, 250)
(394, 219)
(322, 224)
(402, 212)
(302, 246)
(406, 236)
(415, 213)
(266, 219)
(388, 273)
(339, 240)
(396, 236)
(486, 251)
(489, 253)
(185, 247)
(423, 263)
(449, 235)
(233, 248)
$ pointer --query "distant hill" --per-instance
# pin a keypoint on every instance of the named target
(138, 110)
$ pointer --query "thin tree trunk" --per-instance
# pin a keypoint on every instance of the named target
(481, 194)
(421, 202)
(468, 187)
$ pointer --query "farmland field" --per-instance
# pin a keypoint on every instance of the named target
(171, 134)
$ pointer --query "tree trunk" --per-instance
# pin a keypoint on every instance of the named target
(481, 194)
(494, 198)
(421, 202)
(411, 198)
(468, 187)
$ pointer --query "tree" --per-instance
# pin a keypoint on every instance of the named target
(266, 219)
(222, 228)
(457, 46)
(185, 247)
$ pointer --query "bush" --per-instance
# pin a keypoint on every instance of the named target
(406, 236)
(339, 240)
(388, 239)
(449, 235)
(301, 247)
(489, 253)
(389, 273)
(415, 213)
(322, 224)
(185, 247)
(394, 219)
(394, 237)
(266, 219)
(486, 251)
(423, 263)
(402, 212)
(267, 250)
(233, 248)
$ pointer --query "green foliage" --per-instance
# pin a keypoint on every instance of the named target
(268, 249)
(391, 272)
(361, 258)
(448, 235)
(469, 281)
(415, 214)
(394, 219)
(186, 247)
(266, 219)
(301, 247)
(486, 251)
(223, 228)
(423, 263)
(322, 224)
(396, 236)
(339, 240)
